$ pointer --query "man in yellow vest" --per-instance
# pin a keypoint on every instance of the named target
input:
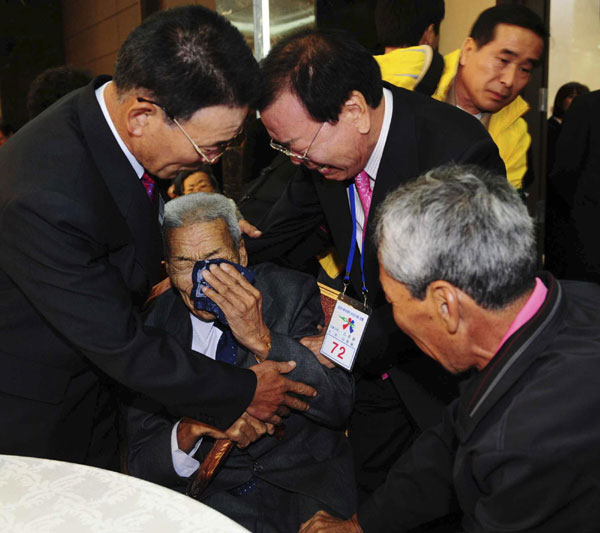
(409, 32)
(485, 77)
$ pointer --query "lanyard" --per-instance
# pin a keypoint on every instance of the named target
(353, 249)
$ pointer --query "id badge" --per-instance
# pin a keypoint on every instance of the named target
(345, 331)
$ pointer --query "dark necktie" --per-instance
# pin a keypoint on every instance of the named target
(226, 352)
(149, 185)
(226, 347)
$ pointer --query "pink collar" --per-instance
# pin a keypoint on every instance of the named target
(530, 308)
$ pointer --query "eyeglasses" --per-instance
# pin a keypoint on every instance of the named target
(217, 150)
(303, 158)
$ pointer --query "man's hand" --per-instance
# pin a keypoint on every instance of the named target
(190, 430)
(241, 303)
(324, 522)
(313, 343)
(247, 429)
(244, 431)
(249, 229)
(271, 397)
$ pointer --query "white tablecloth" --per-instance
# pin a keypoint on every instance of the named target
(39, 496)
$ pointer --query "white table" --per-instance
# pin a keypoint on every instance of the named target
(43, 496)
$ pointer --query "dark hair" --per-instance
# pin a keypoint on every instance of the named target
(322, 68)
(401, 23)
(52, 84)
(181, 177)
(189, 58)
(484, 29)
(567, 90)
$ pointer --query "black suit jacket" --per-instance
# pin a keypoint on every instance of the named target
(79, 250)
(424, 134)
(314, 457)
(573, 196)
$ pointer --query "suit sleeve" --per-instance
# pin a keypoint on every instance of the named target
(418, 487)
(66, 275)
(148, 434)
(572, 150)
(335, 387)
(291, 221)
(483, 153)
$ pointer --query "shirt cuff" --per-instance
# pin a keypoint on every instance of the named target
(184, 464)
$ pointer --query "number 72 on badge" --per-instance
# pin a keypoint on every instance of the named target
(344, 333)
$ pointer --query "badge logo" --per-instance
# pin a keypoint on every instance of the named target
(348, 323)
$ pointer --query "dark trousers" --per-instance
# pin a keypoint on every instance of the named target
(380, 430)
(267, 509)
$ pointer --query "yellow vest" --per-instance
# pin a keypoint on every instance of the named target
(406, 66)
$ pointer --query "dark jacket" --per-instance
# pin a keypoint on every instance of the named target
(314, 457)
(518, 451)
(573, 196)
(80, 248)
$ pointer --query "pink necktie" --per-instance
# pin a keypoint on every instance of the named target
(363, 185)
(149, 185)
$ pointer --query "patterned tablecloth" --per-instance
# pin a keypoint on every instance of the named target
(43, 496)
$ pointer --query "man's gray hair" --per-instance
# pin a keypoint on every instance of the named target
(201, 207)
(461, 224)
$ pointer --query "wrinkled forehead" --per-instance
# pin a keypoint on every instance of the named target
(200, 240)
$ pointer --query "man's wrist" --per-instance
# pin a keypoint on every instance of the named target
(265, 348)
(187, 435)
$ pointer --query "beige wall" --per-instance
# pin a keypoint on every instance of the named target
(165, 4)
(574, 45)
(94, 30)
(460, 15)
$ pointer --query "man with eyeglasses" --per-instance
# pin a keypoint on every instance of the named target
(80, 246)
(324, 106)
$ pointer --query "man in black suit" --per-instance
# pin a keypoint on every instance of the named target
(80, 245)
(271, 485)
(573, 196)
(324, 105)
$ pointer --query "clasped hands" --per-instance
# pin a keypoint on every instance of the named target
(244, 431)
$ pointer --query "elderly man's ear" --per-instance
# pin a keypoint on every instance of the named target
(243, 254)
(445, 302)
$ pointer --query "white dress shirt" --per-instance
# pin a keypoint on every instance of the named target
(205, 338)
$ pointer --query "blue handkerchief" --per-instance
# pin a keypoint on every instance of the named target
(203, 302)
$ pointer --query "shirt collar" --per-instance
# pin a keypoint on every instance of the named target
(206, 335)
(372, 166)
(139, 169)
(531, 307)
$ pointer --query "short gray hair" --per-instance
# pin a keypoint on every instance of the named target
(201, 207)
(461, 224)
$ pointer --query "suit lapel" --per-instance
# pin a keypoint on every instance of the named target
(125, 187)
(399, 164)
(179, 321)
